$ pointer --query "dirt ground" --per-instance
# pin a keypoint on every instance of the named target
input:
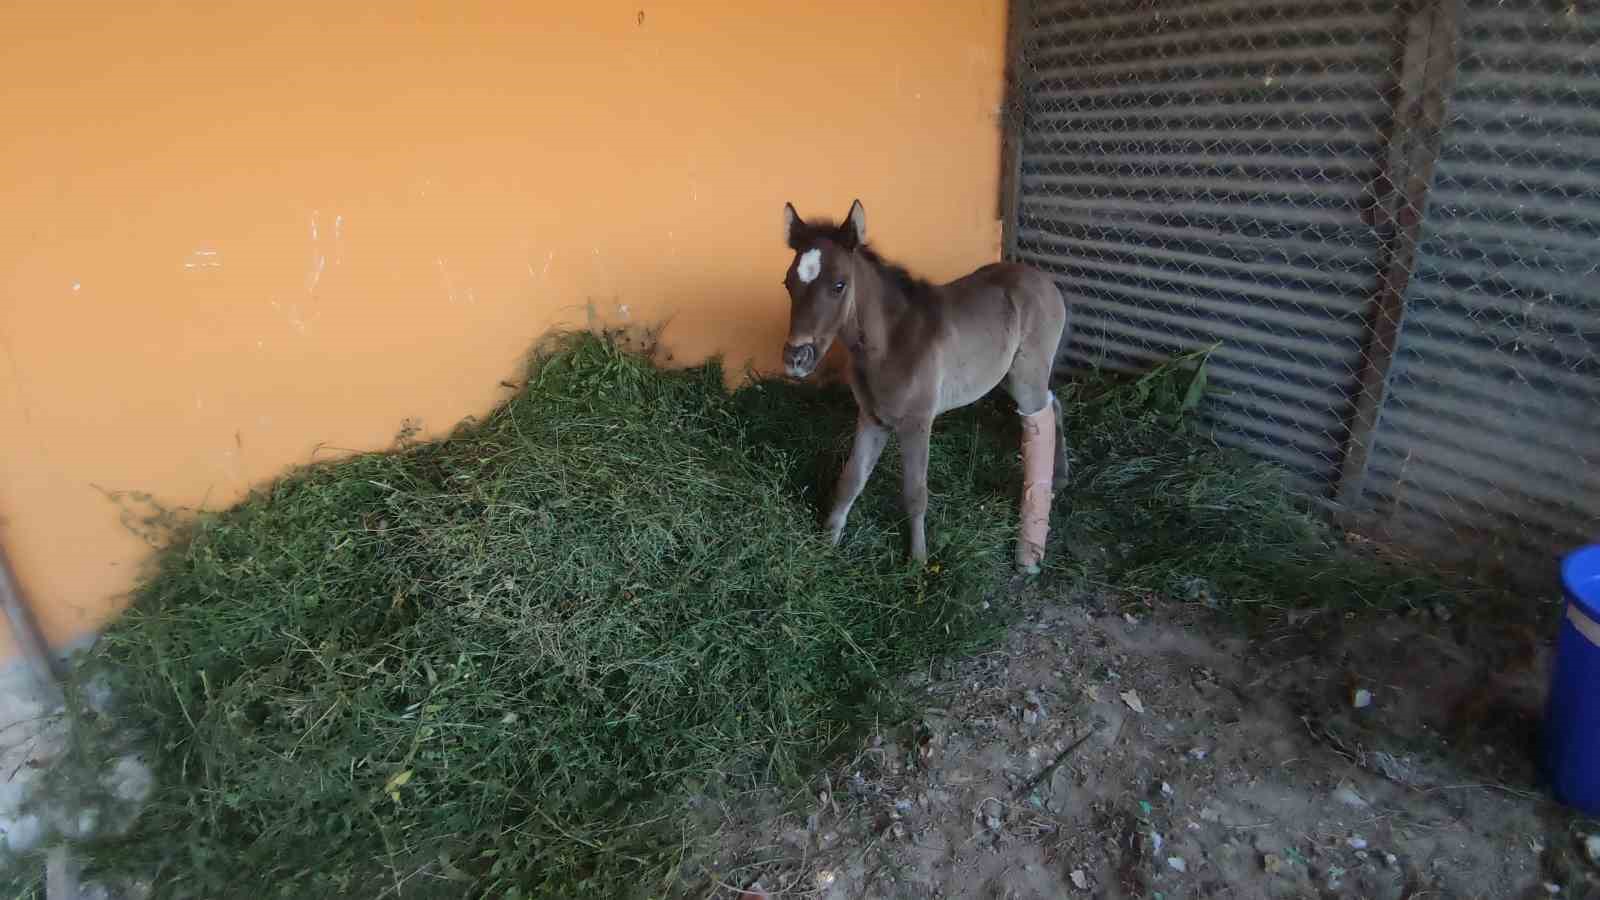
(1119, 748)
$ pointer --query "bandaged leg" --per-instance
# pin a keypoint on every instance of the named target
(1038, 467)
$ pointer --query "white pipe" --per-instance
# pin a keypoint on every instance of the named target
(61, 869)
(25, 630)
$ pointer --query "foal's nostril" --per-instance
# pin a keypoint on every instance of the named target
(799, 357)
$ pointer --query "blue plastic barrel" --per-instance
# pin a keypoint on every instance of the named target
(1572, 714)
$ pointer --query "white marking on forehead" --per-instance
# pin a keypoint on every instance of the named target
(810, 266)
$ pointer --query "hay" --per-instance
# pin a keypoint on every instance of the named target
(1157, 507)
(491, 657)
(497, 664)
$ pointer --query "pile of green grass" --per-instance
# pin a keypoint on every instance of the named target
(1156, 506)
(487, 664)
(496, 664)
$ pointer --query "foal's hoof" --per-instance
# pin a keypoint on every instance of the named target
(1028, 568)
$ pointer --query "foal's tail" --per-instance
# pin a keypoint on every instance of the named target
(1066, 320)
(1058, 367)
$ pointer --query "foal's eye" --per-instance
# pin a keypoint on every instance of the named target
(838, 287)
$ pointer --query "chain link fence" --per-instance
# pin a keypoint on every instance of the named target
(1385, 217)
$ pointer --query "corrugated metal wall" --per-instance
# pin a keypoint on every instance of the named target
(1196, 173)
(1491, 421)
(1255, 174)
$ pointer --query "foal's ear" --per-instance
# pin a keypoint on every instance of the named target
(792, 225)
(855, 225)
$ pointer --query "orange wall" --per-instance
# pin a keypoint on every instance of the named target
(234, 233)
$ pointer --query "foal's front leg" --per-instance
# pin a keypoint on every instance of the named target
(914, 438)
(864, 453)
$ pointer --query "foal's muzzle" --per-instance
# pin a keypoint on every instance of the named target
(799, 360)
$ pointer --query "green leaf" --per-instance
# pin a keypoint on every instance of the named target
(1197, 387)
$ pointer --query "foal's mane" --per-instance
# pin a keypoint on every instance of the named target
(897, 276)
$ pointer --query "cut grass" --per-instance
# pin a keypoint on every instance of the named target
(489, 659)
(1157, 507)
(497, 663)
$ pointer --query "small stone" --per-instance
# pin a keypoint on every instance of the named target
(1390, 860)
(1198, 753)
(12, 796)
(24, 834)
(1166, 789)
(1080, 880)
(1361, 699)
(129, 780)
(1177, 864)
(1395, 768)
(1347, 795)
(1356, 842)
(99, 695)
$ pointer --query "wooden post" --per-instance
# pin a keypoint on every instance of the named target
(1012, 107)
(1427, 63)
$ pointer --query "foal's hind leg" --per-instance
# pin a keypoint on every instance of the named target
(864, 453)
(914, 436)
(1029, 384)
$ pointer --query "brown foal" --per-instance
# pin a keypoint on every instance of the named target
(919, 349)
